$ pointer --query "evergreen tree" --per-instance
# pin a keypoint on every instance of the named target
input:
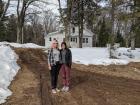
(11, 29)
(1, 7)
(103, 34)
(138, 23)
(2, 26)
(138, 34)
(119, 39)
(2, 31)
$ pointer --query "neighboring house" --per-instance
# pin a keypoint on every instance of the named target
(74, 39)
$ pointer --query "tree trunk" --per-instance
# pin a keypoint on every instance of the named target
(126, 35)
(132, 41)
(80, 23)
(5, 10)
(80, 37)
(113, 28)
(21, 18)
(112, 22)
(68, 37)
(126, 43)
(66, 21)
(66, 32)
(19, 32)
(22, 35)
(133, 44)
(134, 28)
(81, 34)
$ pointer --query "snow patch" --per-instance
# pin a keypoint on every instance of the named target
(8, 70)
(100, 56)
(17, 45)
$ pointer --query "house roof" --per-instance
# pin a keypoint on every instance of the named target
(53, 33)
(83, 36)
(86, 32)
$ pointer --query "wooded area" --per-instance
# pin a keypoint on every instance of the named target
(115, 21)
(111, 21)
(26, 26)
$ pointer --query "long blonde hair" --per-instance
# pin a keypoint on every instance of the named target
(52, 44)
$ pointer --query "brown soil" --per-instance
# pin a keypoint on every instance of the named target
(27, 87)
(90, 85)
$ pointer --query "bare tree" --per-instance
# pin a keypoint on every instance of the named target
(37, 28)
(66, 18)
(113, 5)
(21, 18)
(49, 22)
(5, 9)
(80, 21)
(133, 29)
(21, 14)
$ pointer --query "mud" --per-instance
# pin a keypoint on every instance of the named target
(90, 85)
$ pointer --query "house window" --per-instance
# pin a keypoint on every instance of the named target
(74, 40)
(71, 39)
(86, 40)
(73, 30)
(50, 39)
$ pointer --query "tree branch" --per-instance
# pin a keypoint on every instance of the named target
(5, 10)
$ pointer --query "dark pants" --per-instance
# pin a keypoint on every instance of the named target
(54, 75)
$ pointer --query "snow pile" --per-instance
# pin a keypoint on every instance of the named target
(17, 45)
(100, 56)
(126, 53)
(8, 70)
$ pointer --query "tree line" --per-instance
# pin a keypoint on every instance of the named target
(111, 21)
(26, 26)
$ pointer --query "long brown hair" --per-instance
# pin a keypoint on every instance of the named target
(64, 44)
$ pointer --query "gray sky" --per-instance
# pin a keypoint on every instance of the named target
(53, 6)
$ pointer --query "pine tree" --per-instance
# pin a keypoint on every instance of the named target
(138, 38)
(2, 31)
(119, 39)
(2, 26)
(138, 24)
(103, 34)
(11, 29)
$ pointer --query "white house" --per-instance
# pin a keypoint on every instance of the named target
(74, 39)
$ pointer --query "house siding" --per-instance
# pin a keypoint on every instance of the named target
(58, 37)
(76, 44)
